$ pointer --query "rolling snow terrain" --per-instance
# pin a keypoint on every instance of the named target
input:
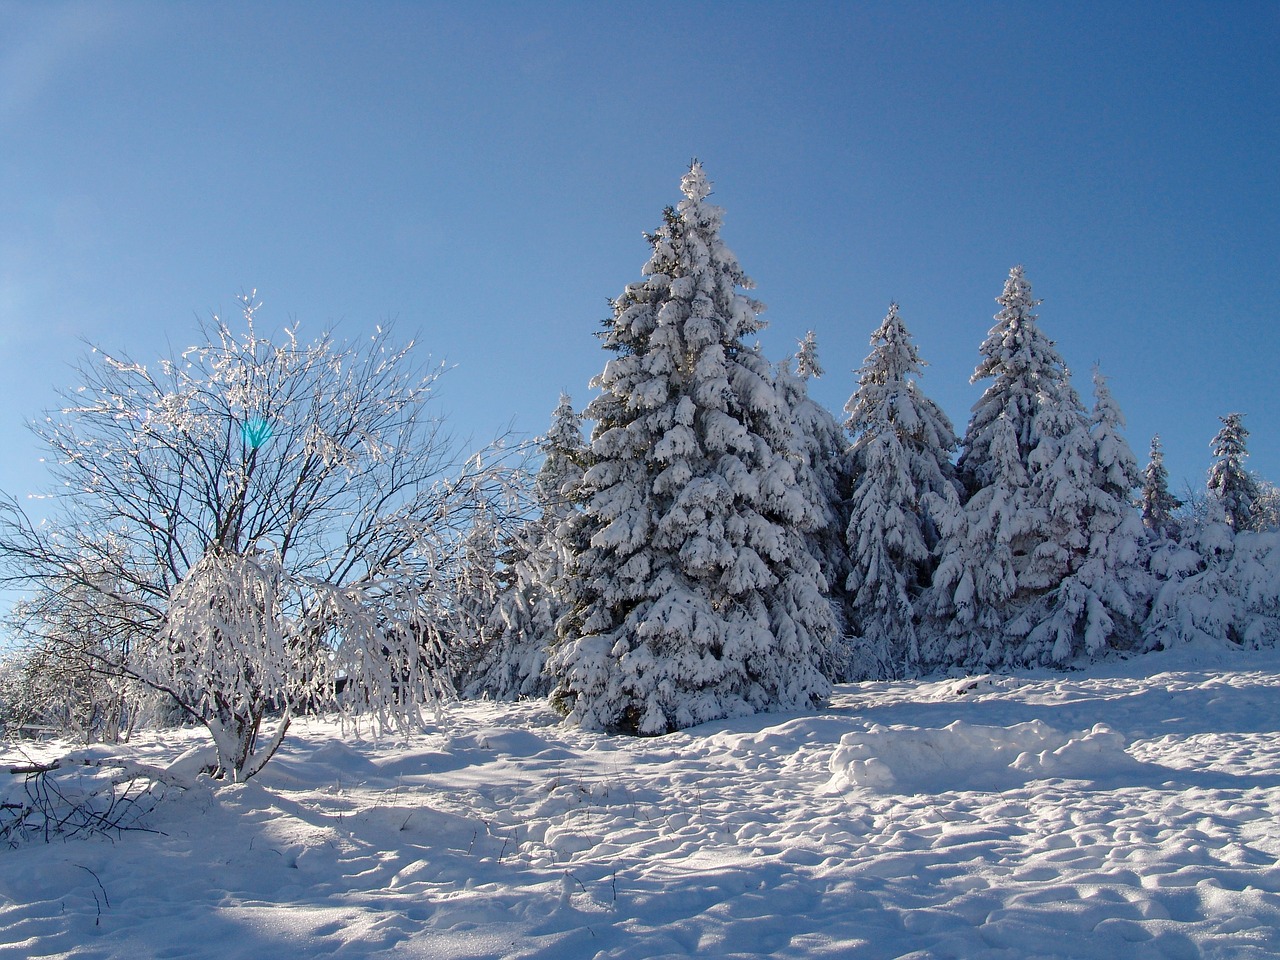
(1128, 810)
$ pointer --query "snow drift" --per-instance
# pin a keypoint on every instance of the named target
(904, 759)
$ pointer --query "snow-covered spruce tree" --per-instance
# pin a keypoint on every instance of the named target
(693, 594)
(1028, 376)
(1158, 504)
(976, 577)
(1026, 373)
(1231, 488)
(260, 517)
(818, 446)
(1216, 585)
(1116, 514)
(531, 571)
(904, 494)
(1118, 474)
(520, 627)
(476, 581)
(1266, 508)
(565, 459)
(1221, 580)
(1102, 600)
(1053, 510)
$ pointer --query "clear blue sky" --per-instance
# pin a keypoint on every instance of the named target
(482, 172)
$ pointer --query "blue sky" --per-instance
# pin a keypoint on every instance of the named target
(481, 173)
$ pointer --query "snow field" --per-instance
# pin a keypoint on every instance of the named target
(1100, 814)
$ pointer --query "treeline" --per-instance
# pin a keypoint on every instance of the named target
(259, 528)
(723, 545)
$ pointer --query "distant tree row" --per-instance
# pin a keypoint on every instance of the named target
(722, 545)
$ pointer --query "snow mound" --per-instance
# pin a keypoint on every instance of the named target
(904, 759)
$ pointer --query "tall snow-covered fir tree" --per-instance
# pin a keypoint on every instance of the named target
(512, 641)
(476, 584)
(564, 455)
(1231, 488)
(1216, 585)
(1026, 372)
(998, 471)
(904, 494)
(1055, 492)
(1158, 504)
(1117, 512)
(1102, 599)
(694, 596)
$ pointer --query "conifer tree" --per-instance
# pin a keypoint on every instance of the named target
(1158, 504)
(513, 637)
(1026, 373)
(476, 584)
(565, 457)
(976, 577)
(1052, 493)
(1230, 486)
(1102, 598)
(1118, 474)
(807, 364)
(521, 625)
(905, 490)
(564, 453)
(694, 596)
(1221, 579)
(818, 447)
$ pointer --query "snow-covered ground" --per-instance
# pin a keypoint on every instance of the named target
(1131, 810)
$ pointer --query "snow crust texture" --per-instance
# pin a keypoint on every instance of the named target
(1104, 814)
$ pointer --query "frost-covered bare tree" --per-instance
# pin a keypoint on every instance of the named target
(68, 634)
(251, 520)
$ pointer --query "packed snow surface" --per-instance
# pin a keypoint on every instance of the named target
(1131, 810)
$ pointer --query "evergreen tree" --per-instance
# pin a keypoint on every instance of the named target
(1230, 485)
(1102, 597)
(1118, 473)
(1053, 492)
(1221, 580)
(976, 577)
(1158, 504)
(476, 585)
(564, 453)
(1266, 509)
(513, 637)
(807, 364)
(565, 457)
(694, 596)
(905, 489)
(1027, 373)
(531, 572)
(1217, 585)
(818, 447)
